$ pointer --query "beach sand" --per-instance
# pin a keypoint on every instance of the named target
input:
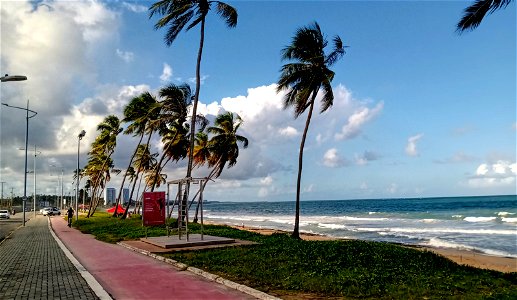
(463, 257)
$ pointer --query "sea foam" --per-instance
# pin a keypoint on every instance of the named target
(479, 219)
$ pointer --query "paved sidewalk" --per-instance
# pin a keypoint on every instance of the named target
(125, 274)
(33, 266)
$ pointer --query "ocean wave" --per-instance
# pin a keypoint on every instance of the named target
(331, 226)
(347, 218)
(429, 220)
(437, 230)
(457, 216)
(439, 243)
(479, 219)
(509, 220)
(504, 213)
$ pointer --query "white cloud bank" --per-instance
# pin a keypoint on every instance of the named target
(499, 174)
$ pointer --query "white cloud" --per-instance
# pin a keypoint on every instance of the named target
(201, 79)
(482, 170)
(499, 174)
(134, 7)
(332, 159)
(268, 180)
(126, 56)
(288, 131)
(357, 120)
(166, 73)
(411, 149)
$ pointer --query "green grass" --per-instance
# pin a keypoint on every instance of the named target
(350, 269)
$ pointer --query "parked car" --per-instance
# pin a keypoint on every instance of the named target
(51, 211)
(4, 214)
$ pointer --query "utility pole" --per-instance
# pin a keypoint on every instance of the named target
(2, 182)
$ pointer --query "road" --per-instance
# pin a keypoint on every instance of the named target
(8, 225)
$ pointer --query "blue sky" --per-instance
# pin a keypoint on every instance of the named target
(420, 110)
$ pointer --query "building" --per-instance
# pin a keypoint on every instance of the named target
(110, 196)
(125, 195)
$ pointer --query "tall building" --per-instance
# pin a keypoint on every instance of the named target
(110, 196)
(125, 195)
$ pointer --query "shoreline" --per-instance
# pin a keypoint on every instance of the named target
(462, 257)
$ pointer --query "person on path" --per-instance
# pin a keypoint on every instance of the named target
(70, 214)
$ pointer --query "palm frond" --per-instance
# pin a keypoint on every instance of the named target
(474, 14)
(228, 13)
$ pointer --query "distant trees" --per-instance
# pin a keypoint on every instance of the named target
(303, 78)
(474, 14)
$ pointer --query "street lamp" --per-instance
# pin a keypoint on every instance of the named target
(13, 78)
(80, 137)
(7, 78)
(36, 153)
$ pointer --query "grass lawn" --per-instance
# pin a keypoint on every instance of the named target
(286, 267)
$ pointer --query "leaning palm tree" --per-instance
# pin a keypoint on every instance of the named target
(139, 112)
(474, 14)
(100, 162)
(176, 14)
(221, 150)
(303, 79)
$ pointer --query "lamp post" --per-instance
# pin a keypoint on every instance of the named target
(80, 137)
(7, 78)
(36, 153)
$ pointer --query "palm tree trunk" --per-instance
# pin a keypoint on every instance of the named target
(194, 111)
(130, 197)
(137, 205)
(296, 231)
(125, 174)
(196, 99)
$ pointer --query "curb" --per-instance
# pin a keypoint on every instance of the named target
(212, 277)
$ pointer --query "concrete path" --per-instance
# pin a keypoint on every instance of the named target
(33, 266)
(125, 274)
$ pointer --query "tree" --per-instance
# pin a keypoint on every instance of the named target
(176, 15)
(303, 79)
(223, 145)
(140, 112)
(100, 162)
(171, 125)
(222, 149)
(474, 14)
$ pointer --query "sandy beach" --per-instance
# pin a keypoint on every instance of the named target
(464, 257)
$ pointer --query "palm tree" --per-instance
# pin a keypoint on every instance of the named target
(474, 14)
(139, 112)
(171, 124)
(221, 149)
(144, 161)
(303, 79)
(100, 161)
(176, 14)
(224, 143)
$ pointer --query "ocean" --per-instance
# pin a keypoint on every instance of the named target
(486, 224)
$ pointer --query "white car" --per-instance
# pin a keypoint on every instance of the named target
(51, 211)
(4, 214)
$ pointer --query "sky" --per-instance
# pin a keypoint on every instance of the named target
(419, 110)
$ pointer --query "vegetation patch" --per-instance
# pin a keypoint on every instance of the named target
(280, 265)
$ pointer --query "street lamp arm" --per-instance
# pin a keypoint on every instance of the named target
(12, 78)
(22, 108)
